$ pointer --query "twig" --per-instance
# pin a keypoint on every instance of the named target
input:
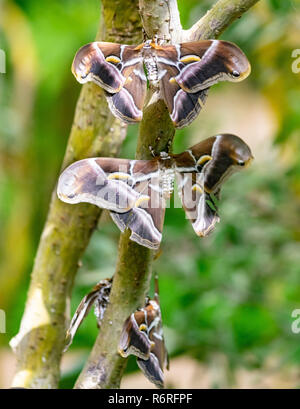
(217, 19)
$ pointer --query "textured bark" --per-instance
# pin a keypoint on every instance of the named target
(105, 366)
(95, 132)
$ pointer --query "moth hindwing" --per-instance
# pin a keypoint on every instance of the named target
(136, 191)
(182, 74)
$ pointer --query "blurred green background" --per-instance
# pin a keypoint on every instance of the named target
(227, 299)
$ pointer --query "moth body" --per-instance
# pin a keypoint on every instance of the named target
(151, 68)
(167, 182)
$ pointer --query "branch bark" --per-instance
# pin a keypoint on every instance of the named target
(105, 366)
(95, 132)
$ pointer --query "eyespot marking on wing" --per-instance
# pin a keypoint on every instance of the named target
(118, 175)
(203, 159)
(113, 59)
(197, 188)
(141, 200)
(189, 58)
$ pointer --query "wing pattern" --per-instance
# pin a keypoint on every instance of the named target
(182, 72)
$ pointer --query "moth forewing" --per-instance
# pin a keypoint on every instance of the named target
(87, 181)
(90, 64)
(134, 339)
(219, 61)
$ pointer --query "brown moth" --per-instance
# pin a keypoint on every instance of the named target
(142, 336)
(136, 191)
(182, 74)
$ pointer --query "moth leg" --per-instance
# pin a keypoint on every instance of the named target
(152, 151)
(169, 144)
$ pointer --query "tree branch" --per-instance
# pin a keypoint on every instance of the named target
(95, 132)
(105, 366)
(217, 19)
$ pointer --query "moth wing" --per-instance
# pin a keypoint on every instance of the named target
(205, 63)
(118, 69)
(157, 335)
(145, 230)
(206, 215)
(145, 219)
(121, 186)
(133, 340)
(214, 160)
(153, 367)
(183, 107)
(127, 104)
(200, 207)
(83, 309)
(94, 62)
(152, 370)
(99, 181)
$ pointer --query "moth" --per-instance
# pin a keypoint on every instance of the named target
(99, 298)
(181, 73)
(142, 336)
(136, 191)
